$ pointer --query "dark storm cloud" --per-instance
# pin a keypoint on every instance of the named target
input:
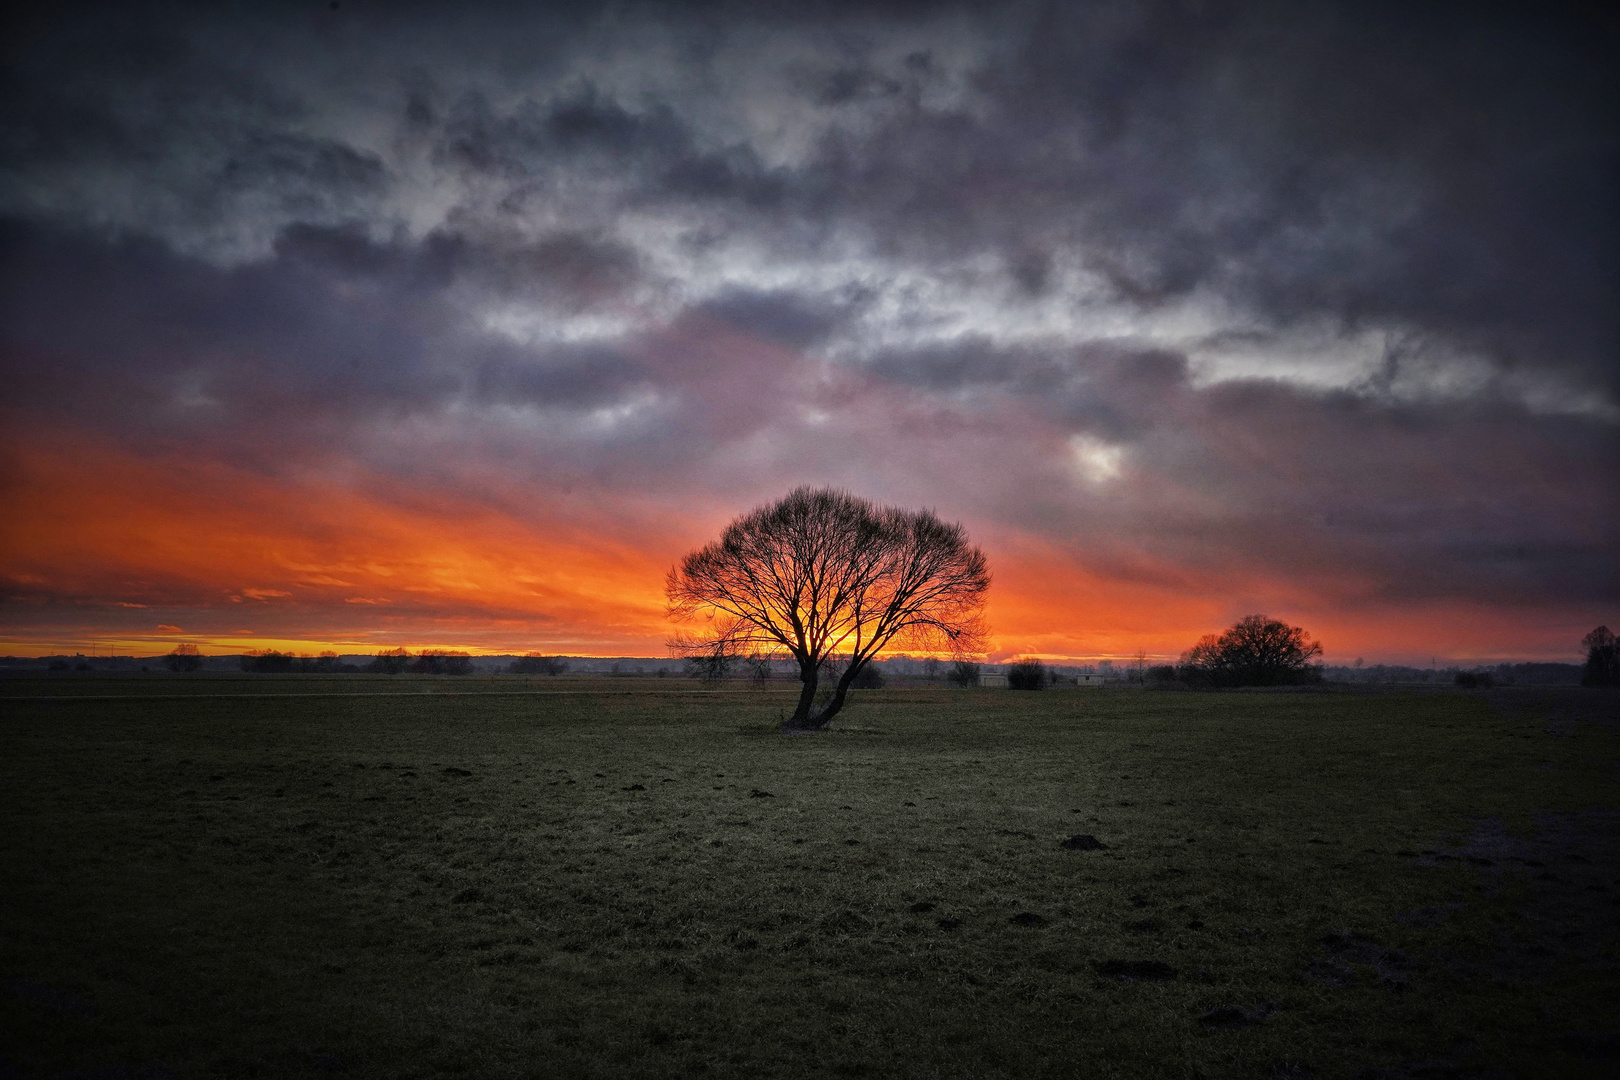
(96, 103)
(1454, 169)
(678, 245)
(333, 329)
(1390, 501)
(783, 316)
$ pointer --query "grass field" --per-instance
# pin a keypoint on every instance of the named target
(410, 877)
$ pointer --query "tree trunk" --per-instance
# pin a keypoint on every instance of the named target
(803, 720)
(800, 720)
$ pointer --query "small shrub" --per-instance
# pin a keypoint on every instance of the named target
(759, 668)
(963, 673)
(184, 658)
(1469, 680)
(711, 668)
(1027, 675)
(869, 677)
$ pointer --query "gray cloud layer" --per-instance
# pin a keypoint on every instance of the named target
(1189, 289)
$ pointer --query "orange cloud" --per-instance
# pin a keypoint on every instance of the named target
(97, 528)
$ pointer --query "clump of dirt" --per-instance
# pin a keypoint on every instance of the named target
(1144, 926)
(453, 771)
(921, 907)
(1083, 842)
(1028, 918)
(467, 896)
(756, 793)
(634, 787)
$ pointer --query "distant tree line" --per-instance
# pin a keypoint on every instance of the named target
(536, 664)
(392, 662)
(272, 661)
(1527, 674)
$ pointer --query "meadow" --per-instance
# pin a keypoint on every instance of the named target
(409, 876)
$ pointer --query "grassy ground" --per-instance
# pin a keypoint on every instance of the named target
(285, 876)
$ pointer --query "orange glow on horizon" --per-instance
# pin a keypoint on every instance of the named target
(105, 551)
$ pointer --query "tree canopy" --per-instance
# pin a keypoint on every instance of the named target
(825, 574)
(1256, 651)
(1602, 666)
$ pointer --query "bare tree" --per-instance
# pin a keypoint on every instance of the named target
(824, 574)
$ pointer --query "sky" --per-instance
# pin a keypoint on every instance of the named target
(366, 325)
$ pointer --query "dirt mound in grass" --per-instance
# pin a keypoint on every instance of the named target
(1083, 842)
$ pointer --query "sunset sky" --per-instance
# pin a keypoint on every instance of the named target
(364, 325)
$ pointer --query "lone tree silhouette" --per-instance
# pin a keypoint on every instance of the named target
(824, 574)
(1256, 651)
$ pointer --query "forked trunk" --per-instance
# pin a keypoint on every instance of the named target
(807, 718)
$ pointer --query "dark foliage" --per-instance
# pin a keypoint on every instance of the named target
(1027, 675)
(442, 662)
(963, 673)
(1602, 658)
(273, 662)
(269, 662)
(536, 664)
(184, 658)
(1256, 651)
(870, 677)
(1470, 680)
(392, 662)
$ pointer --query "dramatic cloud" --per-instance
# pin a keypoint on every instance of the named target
(394, 326)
